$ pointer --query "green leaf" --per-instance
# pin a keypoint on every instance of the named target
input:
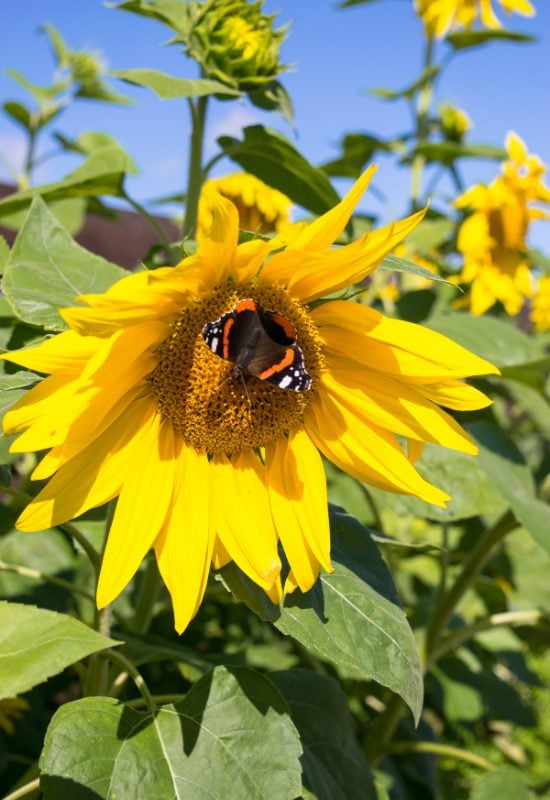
(397, 264)
(47, 269)
(273, 158)
(357, 150)
(230, 738)
(448, 152)
(459, 474)
(70, 213)
(503, 783)
(12, 387)
(409, 91)
(429, 234)
(60, 50)
(48, 552)
(539, 259)
(351, 617)
(168, 87)
(19, 113)
(334, 766)
(44, 95)
(174, 13)
(35, 644)
(494, 339)
(4, 253)
(466, 39)
(102, 173)
(505, 467)
(273, 97)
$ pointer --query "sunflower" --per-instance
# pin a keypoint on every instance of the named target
(261, 208)
(441, 16)
(540, 309)
(493, 236)
(212, 461)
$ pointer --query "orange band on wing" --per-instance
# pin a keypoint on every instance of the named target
(226, 329)
(285, 362)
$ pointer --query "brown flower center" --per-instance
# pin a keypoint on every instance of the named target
(214, 406)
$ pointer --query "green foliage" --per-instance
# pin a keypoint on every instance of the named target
(168, 87)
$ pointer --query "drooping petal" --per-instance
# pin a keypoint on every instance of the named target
(244, 521)
(184, 547)
(456, 395)
(93, 477)
(142, 508)
(218, 241)
(67, 350)
(365, 451)
(298, 498)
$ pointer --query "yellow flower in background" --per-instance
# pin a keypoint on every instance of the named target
(442, 16)
(492, 238)
(540, 309)
(11, 708)
(172, 386)
(261, 209)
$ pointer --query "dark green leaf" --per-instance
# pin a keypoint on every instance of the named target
(19, 113)
(357, 150)
(48, 552)
(273, 97)
(35, 644)
(448, 152)
(168, 86)
(465, 39)
(349, 3)
(334, 766)
(496, 340)
(47, 269)
(230, 738)
(397, 264)
(273, 158)
(5, 480)
(102, 173)
(351, 617)
(503, 783)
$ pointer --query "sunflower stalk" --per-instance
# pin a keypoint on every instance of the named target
(422, 117)
(147, 595)
(195, 172)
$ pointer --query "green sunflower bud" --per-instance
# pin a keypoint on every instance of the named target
(454, 122)
(235, 43)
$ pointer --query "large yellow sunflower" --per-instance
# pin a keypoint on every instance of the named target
(493, 236)
(211, 463)
(442, 16)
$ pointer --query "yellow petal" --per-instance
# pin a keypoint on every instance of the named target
(456, 395)
(142, 507)
(48, 396)
(184, 547)
(394, 346)
(298, 498)
(67, 350)
(394, 406)
(93, 477)
(366, 452)
(218, 243)
(244, 522)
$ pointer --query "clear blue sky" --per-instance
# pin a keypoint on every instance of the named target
(335, 54)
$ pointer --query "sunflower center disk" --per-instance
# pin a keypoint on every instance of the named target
(214, 406)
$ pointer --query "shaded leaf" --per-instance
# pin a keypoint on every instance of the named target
(168, 86)
(504, 783)
(448, 152)
(18, 113)
(357, 150)
(35, 644)
(273, 97)
(12, 387)
(472, 38)
(334, 766)
(230, 738)
(351, 617)
(397, 264)
(273, 158)
(47, 552)
(4, 253)
(47, 269)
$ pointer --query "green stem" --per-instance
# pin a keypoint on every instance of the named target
(32, 786)
(126, 664)
(195, 172)
(383, 730)
(422, 124)
(441, 750)
(27, 572)
(29, 159)
(158, 699)
(462, 635)
(471, 568)
(147, 595)
(159, 229)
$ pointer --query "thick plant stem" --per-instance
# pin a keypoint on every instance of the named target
(422, 126)
(23, 791)
(147, 595)
(195, 171)
(472, 566)
(441, 750)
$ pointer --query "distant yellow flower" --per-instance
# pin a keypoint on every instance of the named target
(493, 238)
(442, 16)
(212, 458)
(261, 208)
(11, 708)
(540, 310)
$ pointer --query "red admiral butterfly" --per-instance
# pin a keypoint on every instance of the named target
(262, 342)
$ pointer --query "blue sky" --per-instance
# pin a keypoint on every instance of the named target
(335, 56)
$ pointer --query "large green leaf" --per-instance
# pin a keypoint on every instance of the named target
(491, 338)
(168, 87)
(505, 467)
(273, 158)
(462, 40)
(503, 783)
(231, 738)
(174, 13)
(351, 617)
(47, 269)
(101, 174)
(12, 387)
(357, 150)
(35, 644)
(334, 766)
